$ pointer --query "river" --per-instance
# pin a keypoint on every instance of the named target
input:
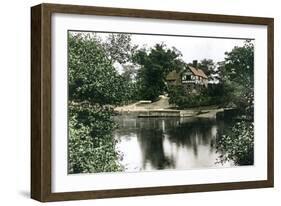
(168, 143)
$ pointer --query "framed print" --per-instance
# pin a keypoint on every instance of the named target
(129, 102)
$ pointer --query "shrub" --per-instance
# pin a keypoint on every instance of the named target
(179, 97)
(91, 145)
(237, 144)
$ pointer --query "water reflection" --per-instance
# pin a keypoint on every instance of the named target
(167, 143)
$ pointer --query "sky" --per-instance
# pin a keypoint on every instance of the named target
(192, 48)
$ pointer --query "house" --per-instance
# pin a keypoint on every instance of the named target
(191, 77)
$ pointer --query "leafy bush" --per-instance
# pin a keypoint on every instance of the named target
(219, 94)
(237, 145)
(183, 100)
(91, 145)
(193, 100)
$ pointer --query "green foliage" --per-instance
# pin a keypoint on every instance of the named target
(129, 72)
(235, 87)
(219, 94)
(155, 65)
(238, 73)
(91, 146)
(179, 97)
(132, 89)
(188, 101)
(213, 95)
(239, 65)
(175, 92)
(119, 47)
(94, 88)
(209, 68)
(238, 76)
(92, 76)
(237, 145)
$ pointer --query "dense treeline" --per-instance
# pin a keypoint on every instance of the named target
(96, 87)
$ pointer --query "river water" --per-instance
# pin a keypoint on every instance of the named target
(168, 143)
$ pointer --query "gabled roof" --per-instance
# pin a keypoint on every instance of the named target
(197, 72)
(202, 73)
(174, 75)
(194, 71)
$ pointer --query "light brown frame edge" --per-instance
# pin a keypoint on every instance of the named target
(41, 101)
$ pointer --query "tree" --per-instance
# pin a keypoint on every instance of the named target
(155, 65)
(95, 88)
(120, 50)
(239, 64)
(91, 73)
(238, 73)
(210, 69)
(119, 47)
(129, 72)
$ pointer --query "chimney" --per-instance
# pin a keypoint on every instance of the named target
(194, 63)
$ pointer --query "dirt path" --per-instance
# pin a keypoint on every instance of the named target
(162, 103)
(162, 107)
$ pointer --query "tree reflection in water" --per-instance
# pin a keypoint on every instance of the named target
(167, 143)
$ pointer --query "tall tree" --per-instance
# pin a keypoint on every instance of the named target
(91, 73)
(94, 87)
(119, 47)
(155, 65)
(210, 69)
(237, 144)
(238, 72)
(239, 64)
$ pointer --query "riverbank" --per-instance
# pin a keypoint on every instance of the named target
(162, 108)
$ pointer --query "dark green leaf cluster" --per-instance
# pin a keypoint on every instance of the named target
(239, 65)
(119, 48)
(92, 76)
(179, 97)
(209, 68)
(216, 94)
(155, 65)
(91, 146)
(237, 144)
(238, 74)
(95, 87)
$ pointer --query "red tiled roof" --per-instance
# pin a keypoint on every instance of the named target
(174, 75)
(197, 72)
(193, 70)
(202, 73)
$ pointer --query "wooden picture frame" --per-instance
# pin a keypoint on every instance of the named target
(41, 116)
